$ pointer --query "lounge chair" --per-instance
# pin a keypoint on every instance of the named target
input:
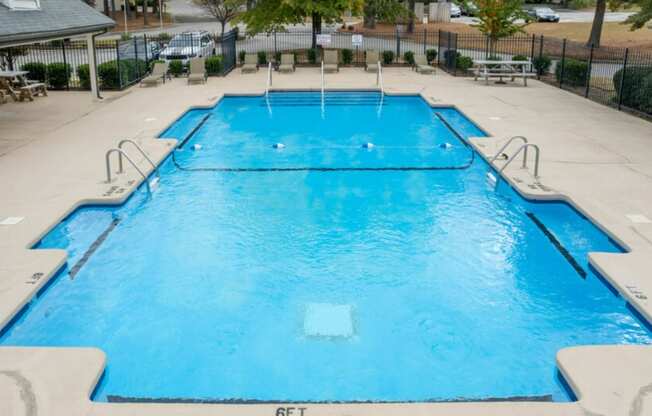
(197, 71)
(159, 72)
(28, 91)
(331, 63)
(287, 63)
(421, 65)
(250, 64)
(371, 61)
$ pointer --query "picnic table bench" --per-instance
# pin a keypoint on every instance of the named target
(16, 84)
(503, 69)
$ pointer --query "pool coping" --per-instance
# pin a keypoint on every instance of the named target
(519, 181)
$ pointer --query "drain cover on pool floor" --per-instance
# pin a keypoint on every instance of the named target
(328, 320)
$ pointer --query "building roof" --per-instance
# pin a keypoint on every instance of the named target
(54, 19)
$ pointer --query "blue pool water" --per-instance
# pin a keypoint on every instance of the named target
(256, 273)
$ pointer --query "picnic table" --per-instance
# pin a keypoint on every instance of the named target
(16, 84)
(503, 69)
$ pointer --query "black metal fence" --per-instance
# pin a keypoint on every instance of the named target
(120, 63)
(617, 77)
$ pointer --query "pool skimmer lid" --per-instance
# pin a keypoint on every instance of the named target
(328, 320)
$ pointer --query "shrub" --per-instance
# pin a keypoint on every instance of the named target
(408, 57)
(58, 75)
(520, 58)
(241, 56)
(636, 89)
(214, 65)
(112, 77)
(347, 56)
(176, 67)
(84, 75)
(312, 55)
(542, 64)
(37, 71)
(463, 63)
(575, 72)
(388, 57)
(277, 57)
(431, 54)
(262, 58)
(125, 36)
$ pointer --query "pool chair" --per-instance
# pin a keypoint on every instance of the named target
(287, 63)
(159, 72)
(421, 65)
(371, 61)
(250, 64)
(330, 61)
(197, 71)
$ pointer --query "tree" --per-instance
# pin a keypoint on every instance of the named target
(410, 25)
(382, 10)
(272, 15)
(223, 10)
(596, 26)
(145, 7)
(638, 19)
(499, 19)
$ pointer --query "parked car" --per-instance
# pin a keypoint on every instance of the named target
(136, 49)
(187, 45)
(455, 10)
(544, 14)
(469, 8)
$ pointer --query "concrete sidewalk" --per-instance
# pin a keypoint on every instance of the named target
(52, 161)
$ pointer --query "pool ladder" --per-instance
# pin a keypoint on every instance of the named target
(523, 148)
(121, 153)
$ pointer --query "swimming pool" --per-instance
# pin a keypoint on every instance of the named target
(323, 270)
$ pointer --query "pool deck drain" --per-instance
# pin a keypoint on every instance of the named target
(328, 320)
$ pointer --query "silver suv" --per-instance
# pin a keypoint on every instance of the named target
(187, 45)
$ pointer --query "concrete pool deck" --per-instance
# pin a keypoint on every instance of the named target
(52, 161)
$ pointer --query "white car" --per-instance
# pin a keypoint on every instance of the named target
(455, 10)
(188, 45)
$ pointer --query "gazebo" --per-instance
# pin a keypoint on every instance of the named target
(24, 22)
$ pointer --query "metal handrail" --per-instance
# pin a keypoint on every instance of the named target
(269, 79)
(108, 166)
(379, 78)
(322, 80)
(142, 152)
(522, 148)
(502, 149)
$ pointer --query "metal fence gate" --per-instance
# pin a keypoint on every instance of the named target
(228, 51)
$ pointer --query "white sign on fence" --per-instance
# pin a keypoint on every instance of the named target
(356, 40)
(324, 40)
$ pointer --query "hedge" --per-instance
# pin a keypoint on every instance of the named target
(214, 65)
(84, 75)
(408, 57)
(637, 88)
(58, 74)
(575, 72)
(388, 57)
(542, 64)
(110, 77)
(37, 71)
